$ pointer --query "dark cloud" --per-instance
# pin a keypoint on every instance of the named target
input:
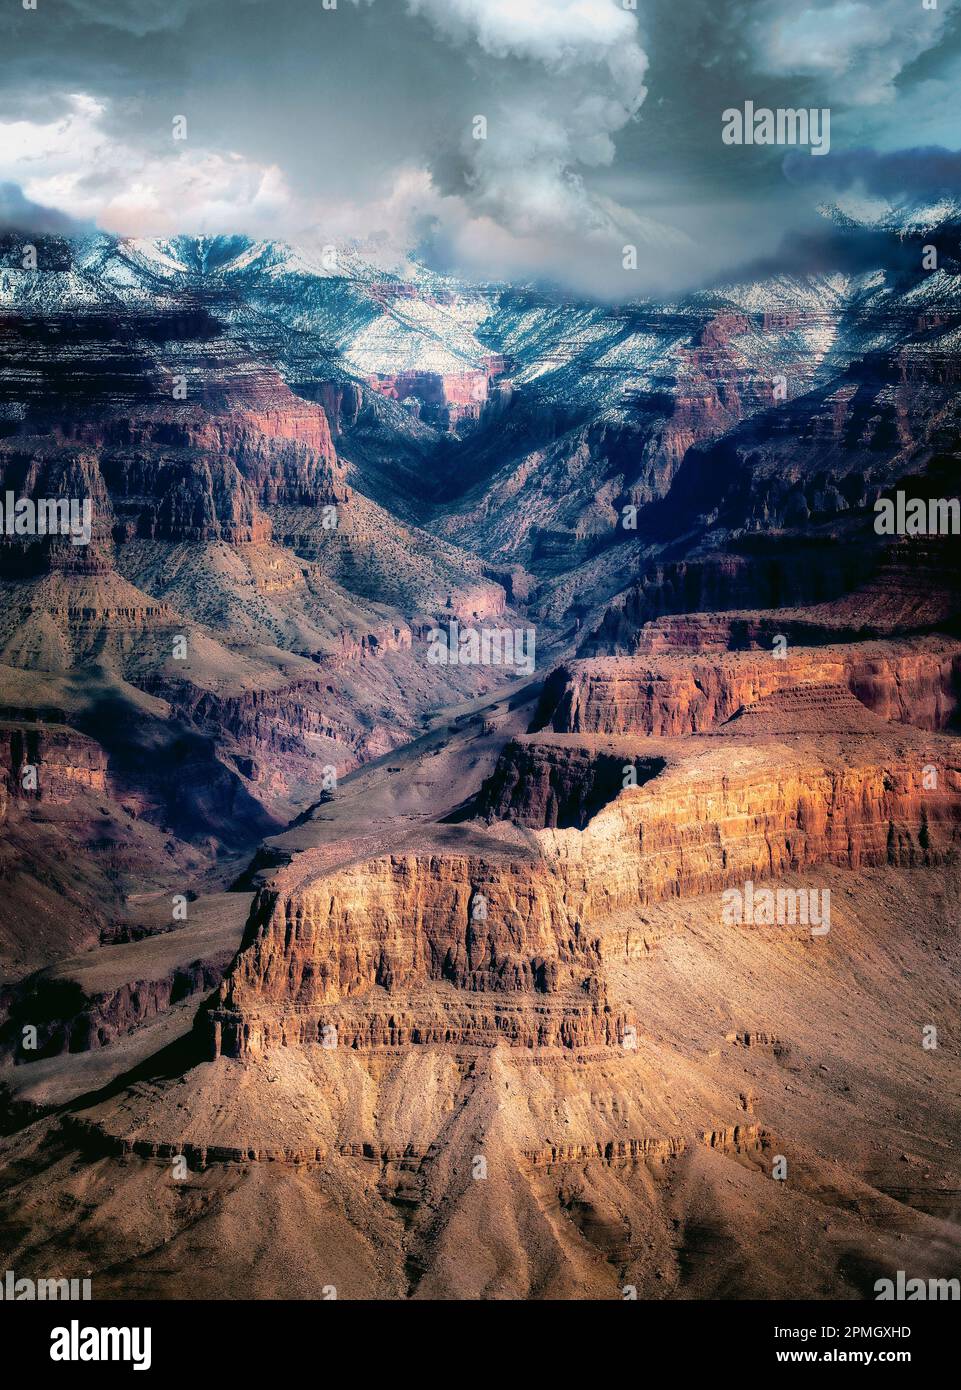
(304, 119)
(18, 213)
(926, 172)
(840, 250)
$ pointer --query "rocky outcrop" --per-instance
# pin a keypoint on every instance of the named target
(823, 590)
(716, 387)
(72, 1022)
(670, 695)
(527, 922)
(392, 922)
(92, 1137)
(656, 1151)
(341, 401)
(556, 787)
(771, 574)
(192, 455)
(50, 762)
(562, 1022)
(198, 474)
(613, 1151)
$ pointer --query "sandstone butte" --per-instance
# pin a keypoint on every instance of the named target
(593, 1031)
(708, 813)
(476, 1025)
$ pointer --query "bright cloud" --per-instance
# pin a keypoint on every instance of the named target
(857, 49)
(74, 164)
(584, 82)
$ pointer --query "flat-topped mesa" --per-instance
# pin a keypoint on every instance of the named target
(482, 924)
(386, 928)
(355, 948)
(911, 682)
(721, 807)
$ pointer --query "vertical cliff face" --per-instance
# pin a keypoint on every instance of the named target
(341, 401)
(558, 788)
(488, 945)
(717, 385)
(416, 949)
(578, 1148)
(231, 570)
(281, 444)
(184, 434)
(770, 573)
(201, 470)
(669, 694)
(95, 999)
(484, 926)
(50, 763)
(61, 478)
(698, 816)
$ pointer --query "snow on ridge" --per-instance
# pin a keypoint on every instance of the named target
(857, 208)
(153, 252)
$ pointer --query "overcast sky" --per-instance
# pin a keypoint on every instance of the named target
(603, 123)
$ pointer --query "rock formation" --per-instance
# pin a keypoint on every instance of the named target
(430, 975)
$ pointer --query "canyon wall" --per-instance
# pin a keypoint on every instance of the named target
(65, 762)
(711, 818)
(670, 695)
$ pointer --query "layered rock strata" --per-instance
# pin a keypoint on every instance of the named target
(345, 949)
(668, 694)
(50, 762)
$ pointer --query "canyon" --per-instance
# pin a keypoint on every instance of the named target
(326, 965)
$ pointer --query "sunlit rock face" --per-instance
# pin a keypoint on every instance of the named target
(413, 959)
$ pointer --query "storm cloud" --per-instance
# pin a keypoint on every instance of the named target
(599, 124)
